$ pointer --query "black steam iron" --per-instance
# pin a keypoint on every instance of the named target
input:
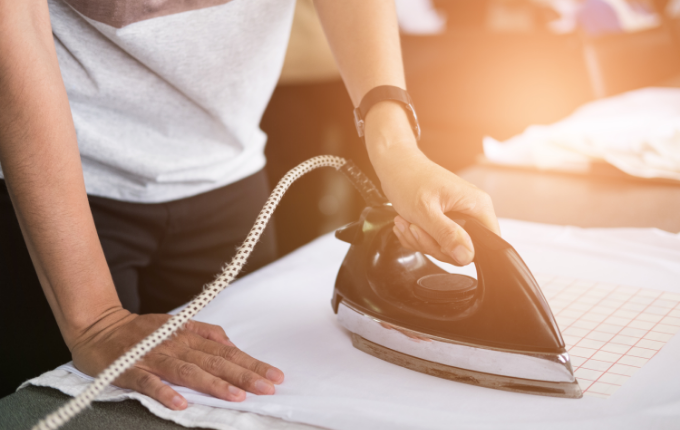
(497, 331)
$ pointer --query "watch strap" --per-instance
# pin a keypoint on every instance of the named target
(382, 93)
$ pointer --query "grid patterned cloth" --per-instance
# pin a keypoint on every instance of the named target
(610, 331)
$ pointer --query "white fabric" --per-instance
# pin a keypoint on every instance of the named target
(631, 18)
(638, 132)
(419, 17)
(281, 314)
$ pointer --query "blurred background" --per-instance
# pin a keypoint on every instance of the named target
(474, 68)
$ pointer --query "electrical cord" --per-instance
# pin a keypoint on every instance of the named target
(368, 191)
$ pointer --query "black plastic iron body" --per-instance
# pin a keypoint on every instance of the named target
(508, 312)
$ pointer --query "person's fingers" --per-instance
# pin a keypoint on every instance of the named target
(151, 385)
(240, 358)
(453, 240)
(191, 375)
(209, 331)
(417, 239)
(428, 245)
(453, 244)
(400, 220)
(403, 242)
(229, 371)
(404, 234)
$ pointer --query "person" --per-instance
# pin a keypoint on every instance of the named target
(130, 150)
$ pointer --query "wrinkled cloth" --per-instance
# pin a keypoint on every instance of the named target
(281, 314)
(638, 132)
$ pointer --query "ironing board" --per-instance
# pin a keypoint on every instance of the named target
(330, 384)
(136, 414)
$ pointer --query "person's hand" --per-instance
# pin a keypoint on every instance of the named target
(422, 192)
(200, 356)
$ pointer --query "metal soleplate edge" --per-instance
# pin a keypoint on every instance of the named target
(498, 382)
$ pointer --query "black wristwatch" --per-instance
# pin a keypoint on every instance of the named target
(382, 93)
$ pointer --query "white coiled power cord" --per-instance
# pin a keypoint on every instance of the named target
(60, 417)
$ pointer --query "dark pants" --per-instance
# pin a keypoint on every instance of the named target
(160, 256)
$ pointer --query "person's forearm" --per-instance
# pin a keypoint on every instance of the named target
(364, 37)
(41, 165)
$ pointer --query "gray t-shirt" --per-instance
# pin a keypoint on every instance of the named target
(167, 95)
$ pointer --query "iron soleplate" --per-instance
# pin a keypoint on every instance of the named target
(488, 380)
(538, 373)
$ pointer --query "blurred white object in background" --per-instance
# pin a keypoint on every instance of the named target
(419, 17)
(673, 8)
(568, 12)
(638, 132)
(632, 18)
(631, 15)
